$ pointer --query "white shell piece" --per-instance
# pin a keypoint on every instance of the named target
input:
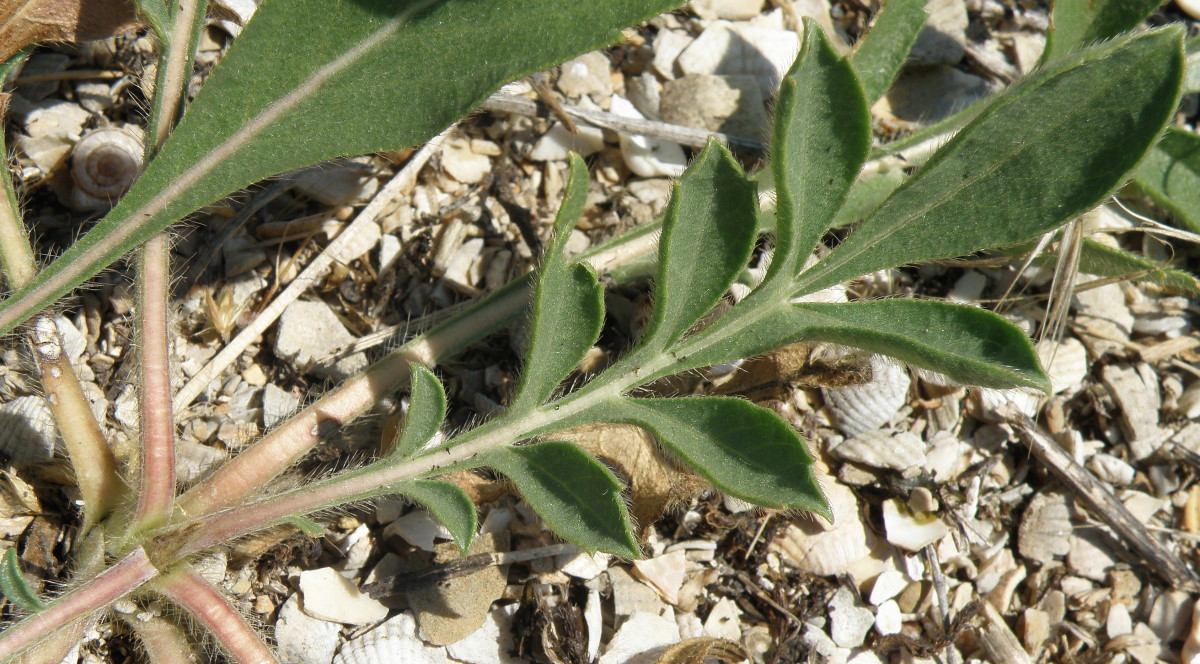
(887, 585)
(490, 644)
(593, 618)
(647, 157)
(640, 633)
(419, 528)
(1045, 528)
(867, 407)
(29, 431)
(1065, 362)
(1090, 555)
(1002, 405)
(302, 639)
(888, 619)
(724, 621)
(393, 642)
(664, 573)
(911, 530)
(1110, 469)
(329, 596)
(104, 163)
(826, 550)
(849, 622)
(898, 450)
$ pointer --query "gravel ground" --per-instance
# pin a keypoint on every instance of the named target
(962, 534)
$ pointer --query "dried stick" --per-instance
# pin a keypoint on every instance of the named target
(1106, 507)
(399, 185)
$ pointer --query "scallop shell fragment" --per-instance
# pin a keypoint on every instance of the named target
(1045, 528)
(844, 547)
(867, 407)
(897, 450)
(394, 641)
(1066, 363)
(30, 433)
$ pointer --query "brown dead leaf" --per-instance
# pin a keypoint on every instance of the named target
(809, 365)
(702, 650)
(655, 483)
(24, 22)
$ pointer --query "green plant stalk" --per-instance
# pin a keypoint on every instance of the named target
(213, 610)
(274, 453)
(174, 70)
(113, 583)
(16, 253)
(162, 641)
(156, 484)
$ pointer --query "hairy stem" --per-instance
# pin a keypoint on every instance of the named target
(131, 572)
(156, 486)
(162, 640)
(174, 70)
(275, 452)
(209, 606)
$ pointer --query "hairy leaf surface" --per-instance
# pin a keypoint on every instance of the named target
(879, 56)
(1046, 151)
(743, 449)
(1105, 261)
(450, 505)
(13, 584)
(822, 135)
(573, 493)
(568, 305)
(968, 344)
(708, 234)
(1075, 24)
(1171, 176)
(378, 75)
(426, 412)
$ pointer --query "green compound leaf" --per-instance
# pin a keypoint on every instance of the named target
(1044, 152)
(708, 234)
(879, 56)
(426, 412)
(568, 306)
(743, 449)
(449, 504)
(377, 75)
(576, 495)
(1075, 24)
(822, 135)
(1171, 176)
(970, 345)
(13, 583)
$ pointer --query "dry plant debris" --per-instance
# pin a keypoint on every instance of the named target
(952, 541)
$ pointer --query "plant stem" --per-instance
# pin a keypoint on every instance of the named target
(131, 572)
(174, 70)
(156, 487)
(163, 641)
(276, 451)
(209, 606)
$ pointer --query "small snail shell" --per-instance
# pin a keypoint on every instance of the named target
(104, 163)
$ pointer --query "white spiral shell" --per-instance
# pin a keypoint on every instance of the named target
(104, 163)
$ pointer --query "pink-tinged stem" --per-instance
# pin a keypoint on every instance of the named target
(210, 607)
(162, 640)
(131, 572)
(156, 490)
(93, 461)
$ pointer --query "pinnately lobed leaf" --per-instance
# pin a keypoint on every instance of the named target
(576, 495)
(821, 137)
(568, 305)
(1045, 151)
(378, 75)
